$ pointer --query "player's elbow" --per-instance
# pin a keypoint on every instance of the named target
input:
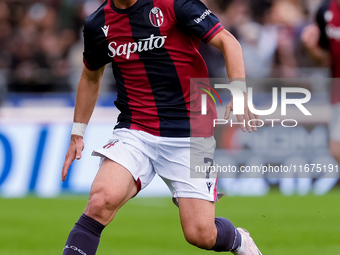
(226, 42)
(231, 44)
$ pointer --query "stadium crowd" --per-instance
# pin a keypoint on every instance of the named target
(41, 41)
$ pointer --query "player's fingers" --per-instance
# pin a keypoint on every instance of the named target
(70, 156)
(252, 121)
(241, 120)
(227, 112)
(79, 149)
(64, 172)
(78, 154)
(258, 119)
(246, 118)
(66, 166)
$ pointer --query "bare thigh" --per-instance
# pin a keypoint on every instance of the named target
(112, 187)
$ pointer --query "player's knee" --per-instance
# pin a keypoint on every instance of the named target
(201, 237)
(101, 207)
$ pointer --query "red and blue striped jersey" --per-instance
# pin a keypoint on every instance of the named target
(153, 48)
(328, 20)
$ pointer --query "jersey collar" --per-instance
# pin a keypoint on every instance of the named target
(129, 10)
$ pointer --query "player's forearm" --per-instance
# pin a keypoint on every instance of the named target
(232, 53)
(87, 95)
(234, 60)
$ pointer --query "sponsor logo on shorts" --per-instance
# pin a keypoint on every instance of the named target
(110, 144)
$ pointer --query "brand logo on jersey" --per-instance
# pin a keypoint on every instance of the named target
(156, 17)
(142, 45)
(333, 32)
(105, 29)
(202, 17)
(328, 16)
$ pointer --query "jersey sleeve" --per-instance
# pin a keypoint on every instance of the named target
(95, 53)
(321, 22)
(195, 18)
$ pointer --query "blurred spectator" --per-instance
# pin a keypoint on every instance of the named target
(269, 38)
(269, 32)
(231, 13)
(35, 41)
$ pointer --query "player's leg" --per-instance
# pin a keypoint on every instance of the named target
(112, 187)
(202, 229)
(196, 195)
(196, 192)
(126, 169)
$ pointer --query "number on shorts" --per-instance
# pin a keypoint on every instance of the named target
(211, 161)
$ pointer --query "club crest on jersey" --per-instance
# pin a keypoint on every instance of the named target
(156, 17)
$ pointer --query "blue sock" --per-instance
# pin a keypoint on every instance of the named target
(228, 237)
(84, 237)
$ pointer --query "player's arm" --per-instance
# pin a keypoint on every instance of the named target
(232, 52)
(87, 95)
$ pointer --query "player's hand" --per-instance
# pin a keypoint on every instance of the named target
(310, 36)
(248, 115)
(74, 152)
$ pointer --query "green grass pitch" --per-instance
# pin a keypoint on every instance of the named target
(280, 225)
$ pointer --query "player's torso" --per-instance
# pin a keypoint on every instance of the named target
(147, 33)
(153, 59)
(149, 29)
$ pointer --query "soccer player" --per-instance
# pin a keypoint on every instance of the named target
(153, 48)
(323, 42)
